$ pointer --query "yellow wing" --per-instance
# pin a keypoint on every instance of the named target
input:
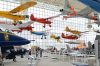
(23, 7)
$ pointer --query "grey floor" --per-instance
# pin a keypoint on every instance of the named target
(47, 60)
(44, 61)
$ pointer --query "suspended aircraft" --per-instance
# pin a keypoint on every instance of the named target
(74, 31)
(71, 37)
(16, 18)
(40, 33)
(94, 4)
(57, 38)
(43, 20)
(9, 39)
(69, 12)
(18, 28)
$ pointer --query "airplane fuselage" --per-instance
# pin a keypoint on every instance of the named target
(9, 39)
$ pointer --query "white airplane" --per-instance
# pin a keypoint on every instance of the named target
(11, 27)
(69, 12)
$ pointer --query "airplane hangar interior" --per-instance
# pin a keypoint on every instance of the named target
(49, 33)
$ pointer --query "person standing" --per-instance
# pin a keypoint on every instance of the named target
(41, 51)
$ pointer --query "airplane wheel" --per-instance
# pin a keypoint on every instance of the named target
(15, 24)
(61, 10)
(20, 22)
(44, 26)
(45, 37)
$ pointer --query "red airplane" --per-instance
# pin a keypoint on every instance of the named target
(69, 36)
(43, 20)
(28, 28)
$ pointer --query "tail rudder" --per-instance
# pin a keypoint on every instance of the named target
(69, 8)
(67, 29)
(32, 17)
(63, 35)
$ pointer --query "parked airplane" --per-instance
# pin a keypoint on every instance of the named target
(11, 14)
(70, 12)
(74, 31)
(72, 42)
(9, 39)
(43, 20)
(72, 37)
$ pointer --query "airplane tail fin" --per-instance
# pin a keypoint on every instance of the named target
(69, 9)
(32, 17)
(62, 35)
(67, 29)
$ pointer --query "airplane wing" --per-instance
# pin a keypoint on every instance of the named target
(25, 24)
(11, 26)
(23, 7)
(53, 16)
(94, 4)
(86, 11)
(8, 26)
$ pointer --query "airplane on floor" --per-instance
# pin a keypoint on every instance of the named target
(69, 12)
(71, 37)
(72, 42)
(43, 20)
(9, 39)
(74, 31)
(57, 38)
(16, 18)
(18, 28)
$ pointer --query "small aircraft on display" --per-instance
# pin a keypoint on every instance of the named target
(40, 33)
(16, 18)
(43, 20)
(9, 39)
(18, 28)
(74, 31)
(71, 37)
(28, 28)
(69, 12)
(57, 38)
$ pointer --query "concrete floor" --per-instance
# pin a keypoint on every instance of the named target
(44, 61)
(47, 60)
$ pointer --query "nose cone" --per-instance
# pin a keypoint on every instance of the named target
(12, 40)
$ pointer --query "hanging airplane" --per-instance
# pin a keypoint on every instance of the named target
(16, 18)
(9, 39)
(18, 28)
(71, 37)
(74, 31)
(69, 12)
(93, 4)
(57, 38)
(40, 33)
(43, 20)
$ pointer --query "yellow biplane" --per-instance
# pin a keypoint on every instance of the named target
(11, 14)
